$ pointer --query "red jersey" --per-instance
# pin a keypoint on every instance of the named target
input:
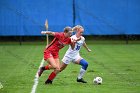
(58, 43)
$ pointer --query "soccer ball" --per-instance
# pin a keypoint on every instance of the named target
(97, 80)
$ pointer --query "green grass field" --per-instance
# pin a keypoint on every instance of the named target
(117, 64)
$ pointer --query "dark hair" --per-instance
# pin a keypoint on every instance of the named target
(67, 29)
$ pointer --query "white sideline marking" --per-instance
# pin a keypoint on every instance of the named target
(36, 78)
(1, 86)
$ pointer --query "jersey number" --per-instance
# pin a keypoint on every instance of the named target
(78, 47)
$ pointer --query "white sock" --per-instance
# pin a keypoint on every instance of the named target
(82, 72)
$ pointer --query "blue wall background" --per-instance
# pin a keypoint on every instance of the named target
(98, 17)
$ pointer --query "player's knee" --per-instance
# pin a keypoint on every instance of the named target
(57, 69)
(84, 64)
(61, 70)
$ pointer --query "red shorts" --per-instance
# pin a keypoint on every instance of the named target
(48, 54)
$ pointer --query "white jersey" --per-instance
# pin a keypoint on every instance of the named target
(73, 53)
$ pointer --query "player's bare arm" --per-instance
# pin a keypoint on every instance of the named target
(72, 45)
(85, 46)
(48, 32)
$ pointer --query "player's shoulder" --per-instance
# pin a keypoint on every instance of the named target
(82, 38)
(59, 34)
(73, 36)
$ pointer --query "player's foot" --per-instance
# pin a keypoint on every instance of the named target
(81, 80)
(48, 81)
(41, 71)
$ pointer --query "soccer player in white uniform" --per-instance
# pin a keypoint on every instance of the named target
(72, 54)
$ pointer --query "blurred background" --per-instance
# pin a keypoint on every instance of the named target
(23, 20)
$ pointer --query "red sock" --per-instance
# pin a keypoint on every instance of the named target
(47, 67)
(52, 76)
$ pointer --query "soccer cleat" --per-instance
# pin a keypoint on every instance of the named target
(81, 80)
(48, 81)
(41, 71)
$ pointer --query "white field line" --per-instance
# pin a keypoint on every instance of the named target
(36, 78)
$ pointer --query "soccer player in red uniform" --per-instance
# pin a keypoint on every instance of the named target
(51, 52)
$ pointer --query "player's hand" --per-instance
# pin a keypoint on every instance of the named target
(75, 40)
(43, 32)
(89, 50)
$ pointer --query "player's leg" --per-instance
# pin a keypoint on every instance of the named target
(49, 58)
(65, 62)
(63, 66)
(42, 69)
(53, 74)
(83, 69)
(47, 67)
(51, 65)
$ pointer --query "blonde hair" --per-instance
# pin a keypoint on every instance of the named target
(77, 27)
